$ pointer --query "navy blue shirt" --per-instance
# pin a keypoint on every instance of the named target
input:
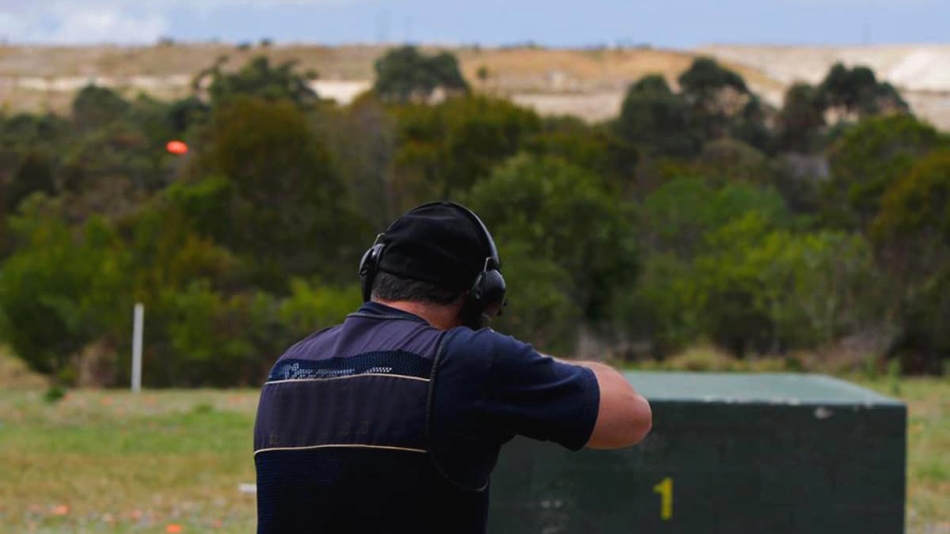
(491, 387)
(482, 388)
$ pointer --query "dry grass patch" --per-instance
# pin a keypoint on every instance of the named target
(15, 375)
(114, 461)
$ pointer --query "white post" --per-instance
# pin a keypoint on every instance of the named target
(139, 318)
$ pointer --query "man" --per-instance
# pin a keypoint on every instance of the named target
(393, 421)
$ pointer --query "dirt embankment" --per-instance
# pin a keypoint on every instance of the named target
(588, 83)
(921, 72)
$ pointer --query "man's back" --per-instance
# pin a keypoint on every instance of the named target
(341, 440)
(349, 490)
(386, 424)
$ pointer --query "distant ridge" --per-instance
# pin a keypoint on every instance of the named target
(587, 82)
(909, 67)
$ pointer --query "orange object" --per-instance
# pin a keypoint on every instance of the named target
(177, 147)
(173, 529)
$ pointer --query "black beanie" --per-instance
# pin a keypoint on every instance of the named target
(437, 243)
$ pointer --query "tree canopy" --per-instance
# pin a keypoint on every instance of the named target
(405, 74)
(699, 214)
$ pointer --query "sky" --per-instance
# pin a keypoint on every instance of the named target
(568, 23)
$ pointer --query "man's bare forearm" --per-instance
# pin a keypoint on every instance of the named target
(625, 416)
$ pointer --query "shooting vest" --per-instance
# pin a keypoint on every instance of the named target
(342, 441)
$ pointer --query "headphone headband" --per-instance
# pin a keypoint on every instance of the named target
(492, 249)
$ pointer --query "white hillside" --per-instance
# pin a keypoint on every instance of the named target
(910, 67)
(921, 72)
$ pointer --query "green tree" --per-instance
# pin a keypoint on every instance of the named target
(663, 308)
(716, 96)
(677, 218)
(918, 204)
(697, 280)
(94, 107)
(912, 234)
(167, 254)
(185, 113)
(185, 281)
(259, 79)
(265, 188)
(564, 214)
(110, 170)
(443, 151)
(404, 74)
(362, 140)
(814, 288)
(25, 130)
(801, 120)
(68, 289)
(593, 147)
(312, 306)
(483, 75)
(868, 159)
(60, 290)
(445, 70)
(216, 338)
(706, 78)
(732, 161)
(750, 126)
(540, 295)
(767, 289)
(857, 91)
(651, 83)
(656, 120)
(34, 174)
(211, 339)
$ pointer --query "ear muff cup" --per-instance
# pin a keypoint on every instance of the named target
(369, 266)
(489, 289)
(488, 292)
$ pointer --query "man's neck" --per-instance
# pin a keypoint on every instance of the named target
(440, 317)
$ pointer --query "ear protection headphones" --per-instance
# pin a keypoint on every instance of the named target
(487, 295)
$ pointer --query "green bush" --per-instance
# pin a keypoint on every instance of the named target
(61, 289)
(201, 337)
(311, 307)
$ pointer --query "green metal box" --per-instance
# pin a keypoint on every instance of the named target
(728, 453)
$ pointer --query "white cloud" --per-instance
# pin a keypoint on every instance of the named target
(113, 21)
(107, 25)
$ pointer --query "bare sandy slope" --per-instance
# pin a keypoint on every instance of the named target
(909, 67)
(587, 83)
(921, 72)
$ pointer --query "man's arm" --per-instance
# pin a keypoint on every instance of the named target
(517, 390)
(624, 417)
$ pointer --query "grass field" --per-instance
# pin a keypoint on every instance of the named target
(113, 462)
(928, 450)
(173, 461)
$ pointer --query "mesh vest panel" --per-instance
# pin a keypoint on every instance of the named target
(341, 438)
(361, 491)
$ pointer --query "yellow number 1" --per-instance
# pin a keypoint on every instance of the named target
(665, 489)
